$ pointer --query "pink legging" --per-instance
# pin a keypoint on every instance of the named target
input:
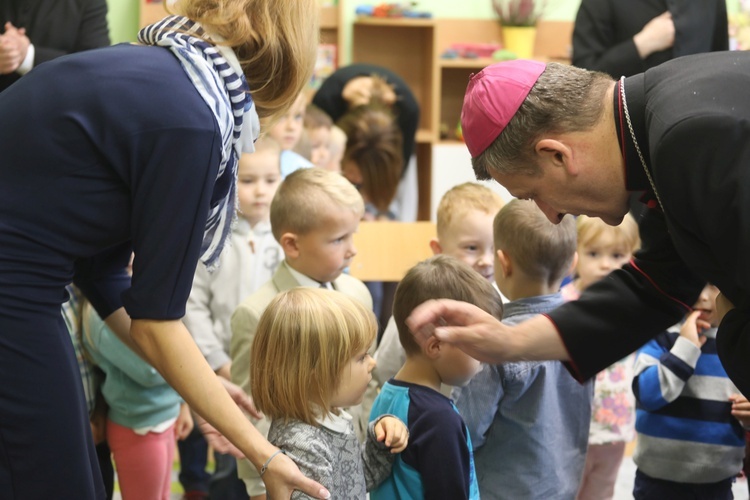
(600, 472)
(143, 463)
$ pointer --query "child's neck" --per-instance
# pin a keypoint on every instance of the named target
(516, 289)
(419, 370)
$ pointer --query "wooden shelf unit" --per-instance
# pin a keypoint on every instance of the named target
(331, 30)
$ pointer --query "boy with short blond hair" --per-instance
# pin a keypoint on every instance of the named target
(313, 217)
(464, 231)
(438, 462)
(529, 421)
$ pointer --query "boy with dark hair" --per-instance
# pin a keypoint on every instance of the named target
(438, 462)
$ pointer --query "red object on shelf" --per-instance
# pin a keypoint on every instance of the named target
(476, 49)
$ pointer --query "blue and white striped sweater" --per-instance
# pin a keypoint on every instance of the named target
(686, 432)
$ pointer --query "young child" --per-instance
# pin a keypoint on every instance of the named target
(464, 231)
(313, 217)
(336, 145)
(601, 249)
(92, 377)
(438, 462)
(309, 360)
(249, 262)
(146, 416)
(690, 444)
(287, 131)
(529, 421)
(317, 129)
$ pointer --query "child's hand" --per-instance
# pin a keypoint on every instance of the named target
(393, 433)
(741, 409)
(692, 326)
(184, 424)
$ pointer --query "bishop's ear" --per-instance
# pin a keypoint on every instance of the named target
(555, 153)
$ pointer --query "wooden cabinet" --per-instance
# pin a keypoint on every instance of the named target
(413, 48)
(331, 30)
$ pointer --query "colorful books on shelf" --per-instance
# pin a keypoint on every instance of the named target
(325, 64)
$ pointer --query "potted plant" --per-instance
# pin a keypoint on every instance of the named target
(518, 19)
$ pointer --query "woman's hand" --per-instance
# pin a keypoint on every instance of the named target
(357, 91)
(282, 477)
(243, 400)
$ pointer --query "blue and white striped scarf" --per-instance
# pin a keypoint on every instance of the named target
(216, 74)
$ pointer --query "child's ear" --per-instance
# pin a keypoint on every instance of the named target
(573, 264)
(432, 348)
(288, 242)
(435, 247)
(506, 265)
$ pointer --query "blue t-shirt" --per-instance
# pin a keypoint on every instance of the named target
(438, 462)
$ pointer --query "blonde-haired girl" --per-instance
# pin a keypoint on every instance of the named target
(310, 360)
(602, 249)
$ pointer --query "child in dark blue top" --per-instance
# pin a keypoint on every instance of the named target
(438, 462)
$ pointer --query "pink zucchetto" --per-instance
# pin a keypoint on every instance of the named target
(493, 97)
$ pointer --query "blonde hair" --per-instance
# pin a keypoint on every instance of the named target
(275, 41)
(440, 277)
(267, 143)
(625, 235)
(304, 340)
(307, 196)
(542, 250)
(462, 199)
(338, 138)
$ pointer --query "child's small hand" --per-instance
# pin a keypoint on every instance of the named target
(692, 326)
(184, 424)
(741, 409)
(393, 433)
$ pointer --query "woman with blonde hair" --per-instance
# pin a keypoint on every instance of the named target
(379, 114)
(131, 147)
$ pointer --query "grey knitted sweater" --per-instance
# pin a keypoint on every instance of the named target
(331, 454)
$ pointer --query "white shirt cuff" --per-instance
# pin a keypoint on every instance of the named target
(28, 61)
